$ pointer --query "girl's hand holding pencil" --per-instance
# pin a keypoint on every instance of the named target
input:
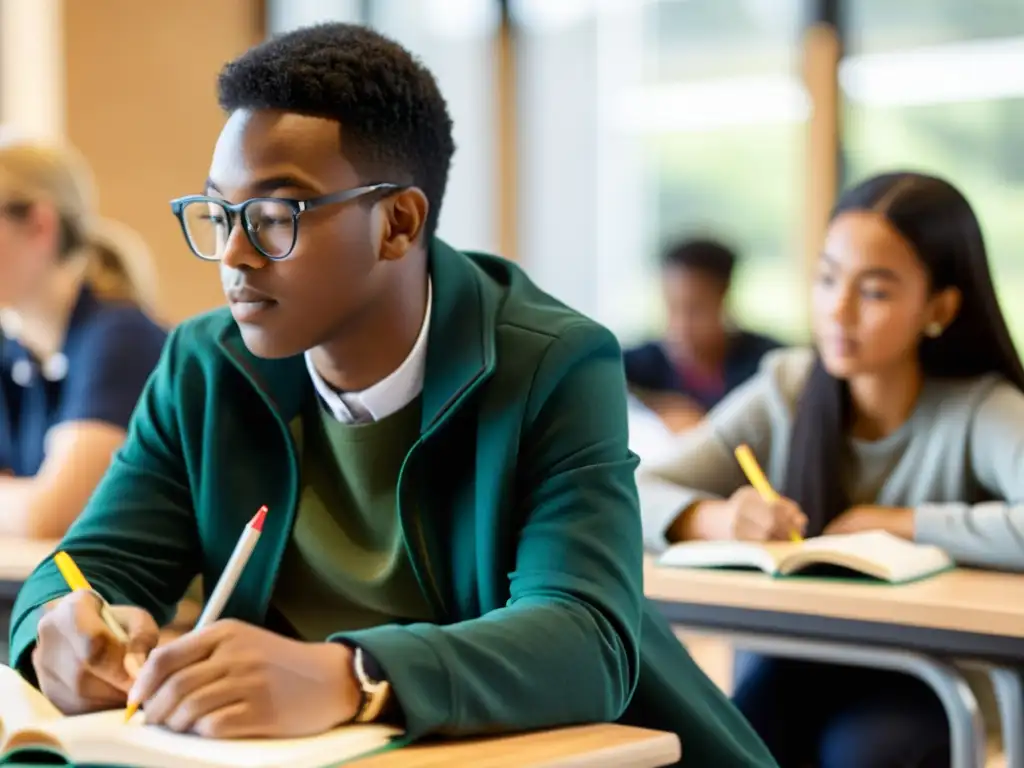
(746, 516)
(757, 512)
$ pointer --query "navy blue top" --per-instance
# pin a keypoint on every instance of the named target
(110, 349)
(648, 367)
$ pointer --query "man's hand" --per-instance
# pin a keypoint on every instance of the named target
(898, 521)
(79, 663)
(234, 680)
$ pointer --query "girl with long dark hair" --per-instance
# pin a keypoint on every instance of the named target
(907, 416)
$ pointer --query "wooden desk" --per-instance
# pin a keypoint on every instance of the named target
(18, 558)
(592, 746)
(963, 612)
(915, 628)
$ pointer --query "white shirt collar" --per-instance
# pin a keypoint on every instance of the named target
(389, 395)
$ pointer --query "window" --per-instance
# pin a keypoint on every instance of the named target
(938, 86)
(454, 39)
(641, 121)
(646, 121)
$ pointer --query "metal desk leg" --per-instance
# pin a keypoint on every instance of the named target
(966, 729)
(1010, 695)
(1009, 690)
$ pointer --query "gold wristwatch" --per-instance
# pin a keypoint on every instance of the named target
(376, 692)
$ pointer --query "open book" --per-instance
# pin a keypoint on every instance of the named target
(876, 554)
(29, 722)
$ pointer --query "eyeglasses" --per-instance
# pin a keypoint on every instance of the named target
(271, 223)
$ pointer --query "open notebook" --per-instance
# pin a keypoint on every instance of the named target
(876, 554)
(29, 722)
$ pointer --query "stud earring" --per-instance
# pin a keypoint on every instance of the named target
(933, 330)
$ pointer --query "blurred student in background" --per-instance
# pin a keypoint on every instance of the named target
(701, 358)
(908, 417)
(76, 342)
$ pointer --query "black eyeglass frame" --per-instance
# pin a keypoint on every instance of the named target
(236, 212)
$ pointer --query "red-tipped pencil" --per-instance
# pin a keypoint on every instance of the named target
(228, 579)
(233, 570)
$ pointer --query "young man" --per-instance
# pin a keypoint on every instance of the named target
(442, 448)
(701, 359)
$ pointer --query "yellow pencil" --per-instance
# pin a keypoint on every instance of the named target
(752, 470)
(69, 570)
(130, 710)
(77, 582)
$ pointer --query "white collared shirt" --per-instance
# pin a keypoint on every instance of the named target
(389, 395)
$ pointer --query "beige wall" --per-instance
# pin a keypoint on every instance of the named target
(131, 83)
(141, 104)
(32, 65)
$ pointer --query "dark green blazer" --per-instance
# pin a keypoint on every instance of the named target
(517, 503)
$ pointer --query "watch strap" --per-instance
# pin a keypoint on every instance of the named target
(375, 691)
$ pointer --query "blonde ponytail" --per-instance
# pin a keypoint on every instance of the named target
(119, 266)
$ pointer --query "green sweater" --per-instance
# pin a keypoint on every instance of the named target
(346, 566)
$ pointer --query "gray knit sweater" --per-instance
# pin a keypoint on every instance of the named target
(958, 461)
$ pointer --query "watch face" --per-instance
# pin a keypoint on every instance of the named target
(367, 669)
(366, 681)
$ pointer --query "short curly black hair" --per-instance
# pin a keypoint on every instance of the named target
(703, 255)
(387, 103)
